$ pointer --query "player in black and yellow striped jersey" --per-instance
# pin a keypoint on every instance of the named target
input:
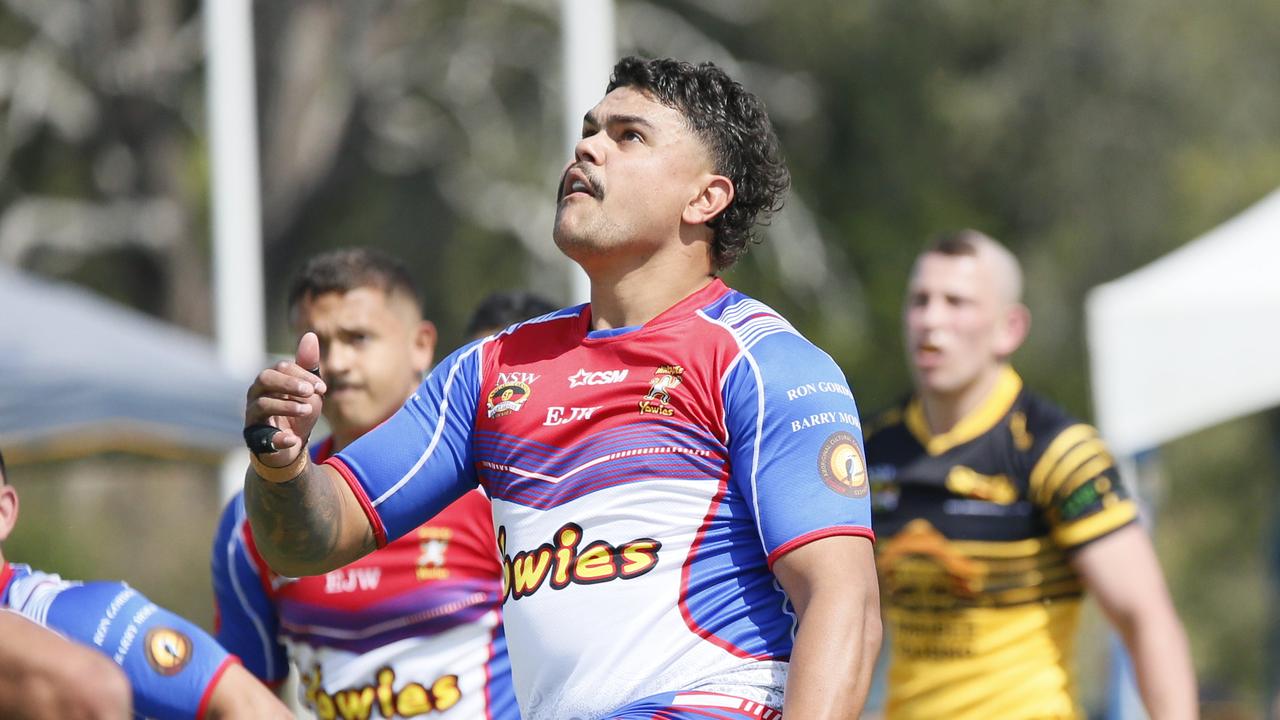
(996, 511)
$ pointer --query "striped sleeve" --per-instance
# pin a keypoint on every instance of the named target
(1075, 483)
(171, 664)
(795, 440)
(409, 468)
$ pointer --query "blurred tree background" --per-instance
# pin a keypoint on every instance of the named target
(1092, 137)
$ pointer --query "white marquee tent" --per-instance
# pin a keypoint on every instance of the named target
(80, 374)
(1192, 339)
(1187, 342)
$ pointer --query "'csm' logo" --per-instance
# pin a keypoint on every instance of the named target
(600, 377)
(556, 415)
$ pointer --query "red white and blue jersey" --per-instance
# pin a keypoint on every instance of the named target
(171, 664)
(643, 484)
(411, 629)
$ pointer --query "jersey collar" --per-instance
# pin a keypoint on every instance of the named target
(984, 417)
(686, 307)
(323, 451)
(6, 574)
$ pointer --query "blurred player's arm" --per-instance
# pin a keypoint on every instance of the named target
(239, 696)
(1092, 516)
(44, 676)
(832, 584)
(305, 519)
(1121, 570)
(175, 669)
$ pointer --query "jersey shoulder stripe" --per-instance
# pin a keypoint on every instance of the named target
(32, 592)
(748, 319)
(439, 429)
(1058, 447)
(573, 311)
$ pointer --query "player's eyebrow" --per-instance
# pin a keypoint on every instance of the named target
(590, 120)
(354, 328)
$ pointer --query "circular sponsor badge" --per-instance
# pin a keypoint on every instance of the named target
(168, 650)
(841, 465)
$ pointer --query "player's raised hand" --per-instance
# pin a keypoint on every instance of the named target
(284, 404)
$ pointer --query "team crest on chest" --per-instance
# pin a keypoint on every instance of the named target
(657, 401)
(506, 398)
(433, 546)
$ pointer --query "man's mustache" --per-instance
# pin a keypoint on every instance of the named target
(596, 190)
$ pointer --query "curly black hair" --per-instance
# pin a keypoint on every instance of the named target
(735, 127)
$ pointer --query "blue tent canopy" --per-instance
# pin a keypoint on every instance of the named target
(80, 374)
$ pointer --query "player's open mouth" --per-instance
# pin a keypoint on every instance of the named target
(577, 183)
(927, 355)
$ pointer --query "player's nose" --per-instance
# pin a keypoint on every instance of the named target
(590, 149)
(336, 361)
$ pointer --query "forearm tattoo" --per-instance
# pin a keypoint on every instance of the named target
(300, 519)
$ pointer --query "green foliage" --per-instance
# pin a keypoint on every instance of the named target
(1213, 534)
(146, 522)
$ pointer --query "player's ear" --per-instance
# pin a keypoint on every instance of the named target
(1013, 329)
(424, 346)
(8, 510)
(715, 195)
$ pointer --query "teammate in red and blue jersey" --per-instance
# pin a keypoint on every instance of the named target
(174, 668)
(409, 629)
(678, 483)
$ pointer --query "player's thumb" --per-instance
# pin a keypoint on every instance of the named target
(308, 356)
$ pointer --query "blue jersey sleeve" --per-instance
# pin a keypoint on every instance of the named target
(413, 465)
(171, 664)
(246, 624)
(795, 444)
